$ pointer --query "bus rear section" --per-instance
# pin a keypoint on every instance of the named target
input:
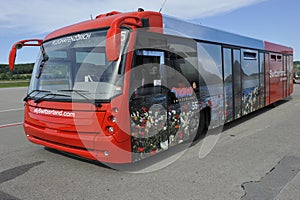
(279, 72)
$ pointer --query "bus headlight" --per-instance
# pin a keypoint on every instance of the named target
(110, 129)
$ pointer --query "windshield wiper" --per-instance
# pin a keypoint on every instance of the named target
(43, 63)
(42, 98)
(28, 96)
(79, 92)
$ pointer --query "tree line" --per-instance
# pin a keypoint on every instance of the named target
(20, 72)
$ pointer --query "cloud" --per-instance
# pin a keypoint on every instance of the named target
(42, 16)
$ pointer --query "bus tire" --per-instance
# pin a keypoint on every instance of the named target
(203, 123)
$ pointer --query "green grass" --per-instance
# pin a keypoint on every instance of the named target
(7, 84)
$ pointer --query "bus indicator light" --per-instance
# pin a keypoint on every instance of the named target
(112, 119)
(115, 110)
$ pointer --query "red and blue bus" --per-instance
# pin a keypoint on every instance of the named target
(125, 86)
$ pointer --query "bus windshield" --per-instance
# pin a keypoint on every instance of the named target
(76, 65)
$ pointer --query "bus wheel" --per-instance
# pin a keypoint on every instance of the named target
(203, 124)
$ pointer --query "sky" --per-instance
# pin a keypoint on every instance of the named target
(271, 20)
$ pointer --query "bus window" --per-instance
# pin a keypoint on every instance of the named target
(250, 82)
(237, 83)
(211, 81)
(57, 73)
(210, 68)
(184, 74)
(262, 79)
(147, 70)
(227, 61)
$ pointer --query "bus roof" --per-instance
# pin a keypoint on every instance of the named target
(105, 21)
(179, 27)
(173, 26)
(269, 46)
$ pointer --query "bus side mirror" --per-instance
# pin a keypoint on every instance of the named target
(113, 44)
(12, 55)
(19, 45)
(12, 58)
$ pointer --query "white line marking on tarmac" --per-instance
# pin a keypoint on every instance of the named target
(10, 125)
(10, 110)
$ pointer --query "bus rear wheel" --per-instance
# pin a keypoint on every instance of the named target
(203, 124)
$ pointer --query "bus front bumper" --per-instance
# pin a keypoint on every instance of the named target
(91, 146)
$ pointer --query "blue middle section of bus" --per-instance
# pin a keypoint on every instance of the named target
(182, 28)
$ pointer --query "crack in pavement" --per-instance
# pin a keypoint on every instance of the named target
(273, 182)
(4, 196)
(13, 173)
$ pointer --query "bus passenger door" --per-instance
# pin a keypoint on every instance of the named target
(276, 78)
(148, 104)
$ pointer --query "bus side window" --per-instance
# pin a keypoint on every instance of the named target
(185, 75)
(146, 71)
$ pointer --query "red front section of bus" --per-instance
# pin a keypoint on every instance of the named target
(80, 129)
(83, 128)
